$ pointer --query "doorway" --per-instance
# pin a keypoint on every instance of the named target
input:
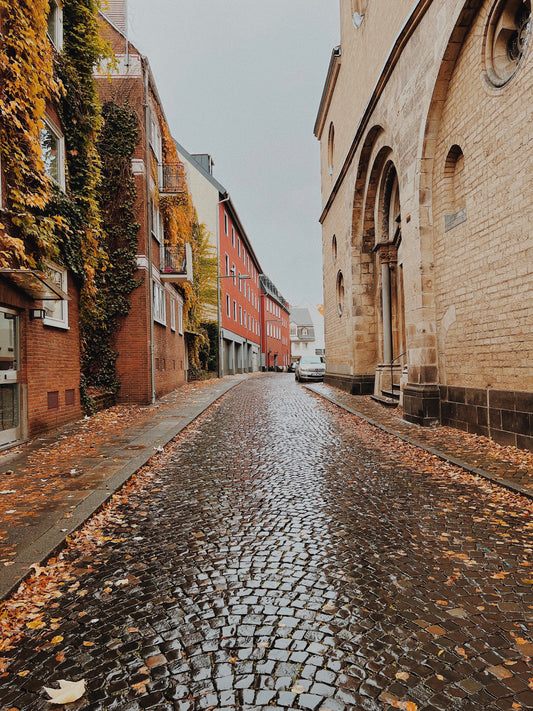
(9, 377)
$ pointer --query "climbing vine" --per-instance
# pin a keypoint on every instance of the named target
(28, 83)
(117, 195)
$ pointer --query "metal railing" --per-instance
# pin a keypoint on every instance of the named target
(172, 178)
(174, 260)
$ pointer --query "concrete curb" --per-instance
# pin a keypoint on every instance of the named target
(516, 488)
(52, 534)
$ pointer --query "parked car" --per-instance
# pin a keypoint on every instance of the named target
(310, 367)
(291, 367)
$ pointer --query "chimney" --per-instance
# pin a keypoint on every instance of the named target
(116, 11)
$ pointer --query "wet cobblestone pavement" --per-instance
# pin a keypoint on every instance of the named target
(285, 554)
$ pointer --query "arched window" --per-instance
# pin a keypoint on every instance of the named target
(334, 249)
(454, 176)
(331, 147)
(340, 293)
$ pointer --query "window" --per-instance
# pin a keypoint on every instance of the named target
(54, 22)
(180, 318)
(53, 153)
(173, 314)
(239, 246)
(233, 271)
(240, 315)
(160, 305)
(157, 223)
(334, 249)
(454, 177)
(232, 236)
(70, 397)
(340, 293)
(155, 136)
(331, 147)
(507, 38)
(226, 223)
(53, 400)
(234, 310)
(240, 282)
(228, 306)
(56, 311)
(227, 265)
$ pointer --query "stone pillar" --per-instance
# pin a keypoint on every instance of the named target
(387, 312)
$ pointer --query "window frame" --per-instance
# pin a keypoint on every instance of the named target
(52, 320)
(49, 124)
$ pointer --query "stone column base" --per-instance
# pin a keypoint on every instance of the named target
(353, 384)
(421, 404)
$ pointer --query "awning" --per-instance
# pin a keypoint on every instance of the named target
(35, 283)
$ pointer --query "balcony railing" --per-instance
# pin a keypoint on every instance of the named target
(172, 179)
(176, 264)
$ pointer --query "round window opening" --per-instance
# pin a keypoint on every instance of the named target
(340, 293)
(334, 249)
(507, 39)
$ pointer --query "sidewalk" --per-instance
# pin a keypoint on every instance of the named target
(508, 466)
(52, 485)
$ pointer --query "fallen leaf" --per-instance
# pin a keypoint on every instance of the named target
(298, 689)
(140, 686)
(57, 640)
(69, 691)
(402, 675)
(24, 673)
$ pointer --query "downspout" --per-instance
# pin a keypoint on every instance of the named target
(219, 296)
(149, 223)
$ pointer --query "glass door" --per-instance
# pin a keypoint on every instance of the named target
(9, 386)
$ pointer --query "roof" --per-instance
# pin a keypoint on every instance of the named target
(301, 317)
(270, 288)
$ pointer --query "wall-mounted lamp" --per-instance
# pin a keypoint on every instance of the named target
(36, 314)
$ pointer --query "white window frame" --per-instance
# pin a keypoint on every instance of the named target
(57, 39)
(232, 236)
(160, 304)
(157, 222)
(234, 310)
(180, 317)
(227, 264)
(225, 223)
(228, 305)
(49, 124)
(56, 311)
(172, 314)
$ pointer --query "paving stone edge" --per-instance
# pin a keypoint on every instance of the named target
(516, 488)
(53, 539)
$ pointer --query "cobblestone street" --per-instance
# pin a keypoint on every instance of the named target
(285, 554)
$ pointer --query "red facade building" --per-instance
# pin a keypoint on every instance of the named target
(275, 332)
(240, 308)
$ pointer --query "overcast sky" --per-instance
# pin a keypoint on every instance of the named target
(242, 80)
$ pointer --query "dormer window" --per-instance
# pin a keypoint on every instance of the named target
(54, 23)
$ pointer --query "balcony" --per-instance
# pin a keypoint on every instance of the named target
(176, 264)
(172, 179)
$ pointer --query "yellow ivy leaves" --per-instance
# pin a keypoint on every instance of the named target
(28, 83)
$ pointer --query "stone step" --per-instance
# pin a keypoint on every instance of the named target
(387, 401)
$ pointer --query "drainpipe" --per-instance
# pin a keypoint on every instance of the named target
(149, 223)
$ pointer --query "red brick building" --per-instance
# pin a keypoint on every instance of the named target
(151, 344)
(275, 331)
(39, 334)
(240, 307)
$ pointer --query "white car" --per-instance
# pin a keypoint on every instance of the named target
(310, 367)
